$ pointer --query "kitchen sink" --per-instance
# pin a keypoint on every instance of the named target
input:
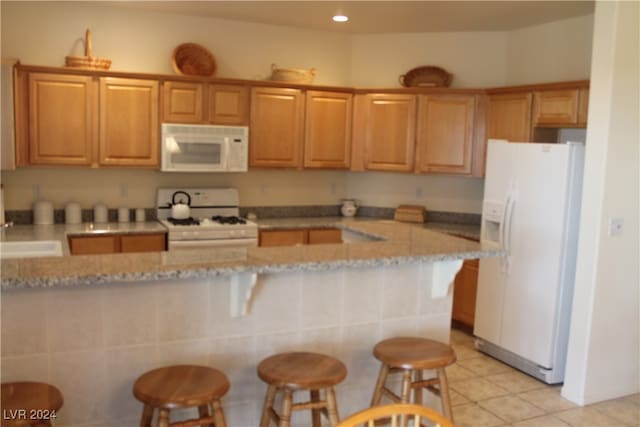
(30, 249)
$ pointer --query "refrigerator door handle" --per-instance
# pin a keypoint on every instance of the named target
(502, 233)
(511, 202)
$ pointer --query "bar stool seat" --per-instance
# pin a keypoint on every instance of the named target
(29, 404)
(411, 356)
(298, 371)
(182, 386)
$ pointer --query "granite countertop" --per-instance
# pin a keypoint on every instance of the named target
(402, 243)
(468, 231)
(21, 233)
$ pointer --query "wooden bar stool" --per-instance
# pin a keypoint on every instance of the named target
(289, 372)
(410, 356)
(182, 386)
(29, 404)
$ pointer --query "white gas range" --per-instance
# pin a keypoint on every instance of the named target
(214, 219)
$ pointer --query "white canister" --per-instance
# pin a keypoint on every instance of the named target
(140, 215)
(100, 213)
(72, 213)
(123, 214)
(43, 212)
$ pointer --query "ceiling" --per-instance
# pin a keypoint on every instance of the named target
(379, 16)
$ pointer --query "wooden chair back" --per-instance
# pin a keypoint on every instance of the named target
(398, 415)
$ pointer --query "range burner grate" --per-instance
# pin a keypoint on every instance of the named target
(228, 219)
(186, 221)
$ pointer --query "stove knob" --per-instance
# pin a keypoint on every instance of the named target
(242, 232)
(232, 232)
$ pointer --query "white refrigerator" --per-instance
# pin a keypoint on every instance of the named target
(531, 210)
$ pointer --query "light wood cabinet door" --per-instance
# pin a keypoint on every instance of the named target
(583, 107)
(61, 116)
(387, 127)
(282, 237)
(445, 133)
(143, 242)
(509, 117)
(182, 102)
(277, 128)
(91, 245)
(228, 104)
(317, 236)
(327, 142)
(128, 122)
(555, 107)
(464, 293)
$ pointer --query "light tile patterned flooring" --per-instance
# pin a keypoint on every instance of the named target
(488, 393)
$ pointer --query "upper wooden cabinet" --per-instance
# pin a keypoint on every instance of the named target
(445, 133)
(128, 122)
(277, 127)
(509, 116)
(583, 107)
(188, 102)
(183, 102)
(80, 120)
(384, 133)
(555, 107)
(60, 126)
(228, 104)
(327, 142)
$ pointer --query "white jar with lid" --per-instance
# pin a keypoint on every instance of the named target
(43, 212)
(100, 213)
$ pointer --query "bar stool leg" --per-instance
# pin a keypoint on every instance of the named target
(268, 404)
(315, 413)
(203, 412)
(147, 416)
(287, 401)
(417, 391)
(444, 394)
(332, 407)
(218, 415)
(382, 379)
(163, 419)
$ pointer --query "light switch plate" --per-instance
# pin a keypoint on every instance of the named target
(616, 226)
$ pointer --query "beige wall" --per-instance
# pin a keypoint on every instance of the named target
(475, 59)
(604, 344)
(44, 33)
(550, 52)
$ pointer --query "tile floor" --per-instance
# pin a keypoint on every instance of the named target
(488, 393)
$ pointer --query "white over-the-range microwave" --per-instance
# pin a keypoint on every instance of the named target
(204, 148)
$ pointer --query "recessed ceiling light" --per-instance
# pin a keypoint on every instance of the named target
(340, 18)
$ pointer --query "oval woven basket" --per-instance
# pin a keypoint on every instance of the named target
(292, 75)
(426, 76)
(191, 59)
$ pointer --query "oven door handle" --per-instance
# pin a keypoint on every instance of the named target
(219, 243)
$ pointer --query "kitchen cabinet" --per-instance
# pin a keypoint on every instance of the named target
(384, 132)
(82, 120)
(299, 236)
(445, 133)
(220, 104)
(117, 243)
(583, 107)
(555, 107)
(182, 102)
(277, 127)
(228, 104)
(464, 293)
(509, 116)
(128, 122)
(59, 127)
(327, 142)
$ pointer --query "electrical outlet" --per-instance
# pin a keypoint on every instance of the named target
(124, 190)
(616, 226)
(419, 193)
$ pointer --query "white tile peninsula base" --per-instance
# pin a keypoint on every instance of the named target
(93, 342)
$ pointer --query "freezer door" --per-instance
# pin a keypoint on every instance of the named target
(489, 300)
(536, 241)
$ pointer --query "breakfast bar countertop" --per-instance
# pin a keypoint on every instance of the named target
(396, 243)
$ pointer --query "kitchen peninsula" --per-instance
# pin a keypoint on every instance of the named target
(92, 324)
